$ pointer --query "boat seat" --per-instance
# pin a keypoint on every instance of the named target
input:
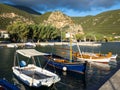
(25, 68)
(109, 54)
(60, 60)
(36, 75)
(29, 68)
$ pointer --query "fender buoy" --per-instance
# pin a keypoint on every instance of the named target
(64, 68)
(22, 63)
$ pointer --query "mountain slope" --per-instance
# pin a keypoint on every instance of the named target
(104, 23)
(9, 15)
(28, 10)
(10, 9)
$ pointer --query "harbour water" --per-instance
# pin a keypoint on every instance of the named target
(92, 80)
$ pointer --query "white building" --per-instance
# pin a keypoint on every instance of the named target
(4, 34)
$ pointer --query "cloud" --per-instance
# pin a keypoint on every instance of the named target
(64, 5)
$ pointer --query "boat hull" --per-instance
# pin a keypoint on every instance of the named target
(35, 81)
(101, 60)
(78, 68)
(12, 46)
(5, 85)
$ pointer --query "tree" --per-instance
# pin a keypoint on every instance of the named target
(79, 37)
(24, 32)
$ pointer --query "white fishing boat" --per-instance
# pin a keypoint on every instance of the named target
(31, 74)
(30, 45)
(96, 57)
(12, 45)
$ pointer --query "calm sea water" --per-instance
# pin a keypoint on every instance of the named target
(93, 79)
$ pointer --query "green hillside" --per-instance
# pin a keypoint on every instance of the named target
(44, 17)
(10, 9)
(34, 18)
(104, 23)
(5, 16)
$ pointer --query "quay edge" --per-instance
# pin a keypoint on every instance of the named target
(113, 83)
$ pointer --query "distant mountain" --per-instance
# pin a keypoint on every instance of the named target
(9, 15)
(27, 9)
(104, 23)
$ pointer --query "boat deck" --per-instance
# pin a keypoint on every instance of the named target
(34, 74)
(38, 76)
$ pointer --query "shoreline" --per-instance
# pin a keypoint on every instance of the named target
(54, 43)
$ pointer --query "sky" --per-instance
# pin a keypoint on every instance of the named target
(68, 7)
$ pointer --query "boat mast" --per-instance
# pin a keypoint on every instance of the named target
(70, 48)
(77, 44)
(78, 47)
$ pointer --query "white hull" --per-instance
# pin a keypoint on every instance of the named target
(29, 44)
(12, 45)
(34, 76)
(102, 60)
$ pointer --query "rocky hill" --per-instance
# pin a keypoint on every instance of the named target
(60, 21)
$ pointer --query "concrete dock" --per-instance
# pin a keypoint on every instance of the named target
(113, 83)
(109, 82)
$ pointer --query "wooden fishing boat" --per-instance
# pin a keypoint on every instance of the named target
(65, 64)
(5, 85)
(31, 74)
(95, 57)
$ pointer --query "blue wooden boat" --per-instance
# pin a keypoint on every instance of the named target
(5, 85)
(65, 65)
